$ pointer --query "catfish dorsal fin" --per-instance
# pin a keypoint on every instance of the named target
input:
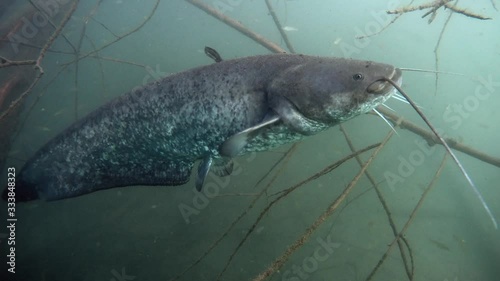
(213, 54)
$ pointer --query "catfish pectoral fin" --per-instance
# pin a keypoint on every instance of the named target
(292, 117)
(223, 167)
(235, 144)
(203, 169)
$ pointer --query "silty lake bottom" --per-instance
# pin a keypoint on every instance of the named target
(238, 226)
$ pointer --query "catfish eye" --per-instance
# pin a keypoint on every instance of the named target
(358, 77)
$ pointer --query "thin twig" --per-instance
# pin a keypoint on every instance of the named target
(15, 103)
(448, 149)
(287, 192)
(238, 26)
(77, 68)
(436, 52)
(4, 62)
(434, 6)
(54, 35)
(381, 30)
(105, 27)
(494, 5)
(101, 67)
(97, 56)
(38, 97)
(408, 8)
(409, 221)
(385, 27)
(280, 28)
(237, 195)
(38, 61)
(432, 140)
(52, 24)
(38, 47)
(120, 37)
(434, 9)
(283, 160)
(408, 266)
(279, 262)
(465, 12)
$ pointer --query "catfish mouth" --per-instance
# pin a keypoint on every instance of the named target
(381, 87)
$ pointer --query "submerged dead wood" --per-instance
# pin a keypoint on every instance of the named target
(401, 241)
(280, 261)
(238, 26)
(434, 6)
(432, 139)
(279, 27)
(401, 234)
(37, 63)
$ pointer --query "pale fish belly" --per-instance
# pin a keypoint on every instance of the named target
(281, 134)
(272, 138)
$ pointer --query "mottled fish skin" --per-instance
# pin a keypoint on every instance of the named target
(154, 134)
